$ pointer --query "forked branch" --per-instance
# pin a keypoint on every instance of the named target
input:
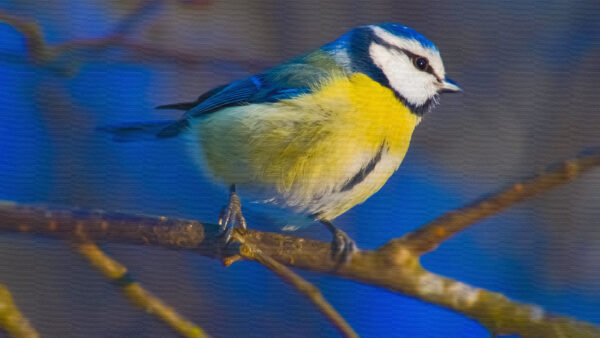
(309, 290)
(395, 266)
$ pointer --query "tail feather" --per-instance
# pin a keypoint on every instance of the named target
(179, 106)
(141, 131)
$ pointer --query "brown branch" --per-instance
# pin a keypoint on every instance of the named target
(394, 266)
(11, 319)
(42, 53)
(429, 236)
(134, 291)
(398, 270)
(309, 290)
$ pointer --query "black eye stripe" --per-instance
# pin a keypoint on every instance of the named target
(410, 55)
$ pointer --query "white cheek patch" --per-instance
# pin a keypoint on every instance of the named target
(414, 85)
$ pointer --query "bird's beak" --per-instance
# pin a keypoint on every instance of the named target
(449, 86)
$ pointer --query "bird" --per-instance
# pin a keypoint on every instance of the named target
(315, 135)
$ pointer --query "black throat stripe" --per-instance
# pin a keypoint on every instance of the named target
(362, 174)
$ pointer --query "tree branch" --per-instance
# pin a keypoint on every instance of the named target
(11, 319)
(395, 266)
(398, 270)
(309, 290)
(134, 291)
(428, 237)
(41, 53)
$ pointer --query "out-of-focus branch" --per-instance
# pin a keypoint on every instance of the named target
(429, 236)
(309, 290)
(394, 266)
(34, 39)
(118, 274)
(11, 319)
(42, 53)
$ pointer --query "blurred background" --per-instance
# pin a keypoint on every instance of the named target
(529, 70)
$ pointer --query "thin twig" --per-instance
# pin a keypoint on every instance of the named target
(429, 236)
(12, 320)
(249, 251)
(134, 291)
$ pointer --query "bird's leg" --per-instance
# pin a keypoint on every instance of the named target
(231, 216)
(342, 246)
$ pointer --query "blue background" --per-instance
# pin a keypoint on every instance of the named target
(529, 70)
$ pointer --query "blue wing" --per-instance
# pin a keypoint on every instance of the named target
(254, 89)
(283, 82)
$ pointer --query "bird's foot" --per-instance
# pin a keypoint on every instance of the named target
(342, 247)
(231, 217)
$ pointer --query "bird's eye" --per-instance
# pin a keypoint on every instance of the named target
(421, 63)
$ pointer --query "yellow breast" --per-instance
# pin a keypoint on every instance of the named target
(304, 150)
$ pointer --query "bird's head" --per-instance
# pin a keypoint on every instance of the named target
(399, 58)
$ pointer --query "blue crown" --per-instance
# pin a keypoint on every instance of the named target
(407, 32)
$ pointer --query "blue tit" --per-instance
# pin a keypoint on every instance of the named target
(318, 134)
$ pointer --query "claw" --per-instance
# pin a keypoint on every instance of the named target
(230, 217)
(342, 246)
